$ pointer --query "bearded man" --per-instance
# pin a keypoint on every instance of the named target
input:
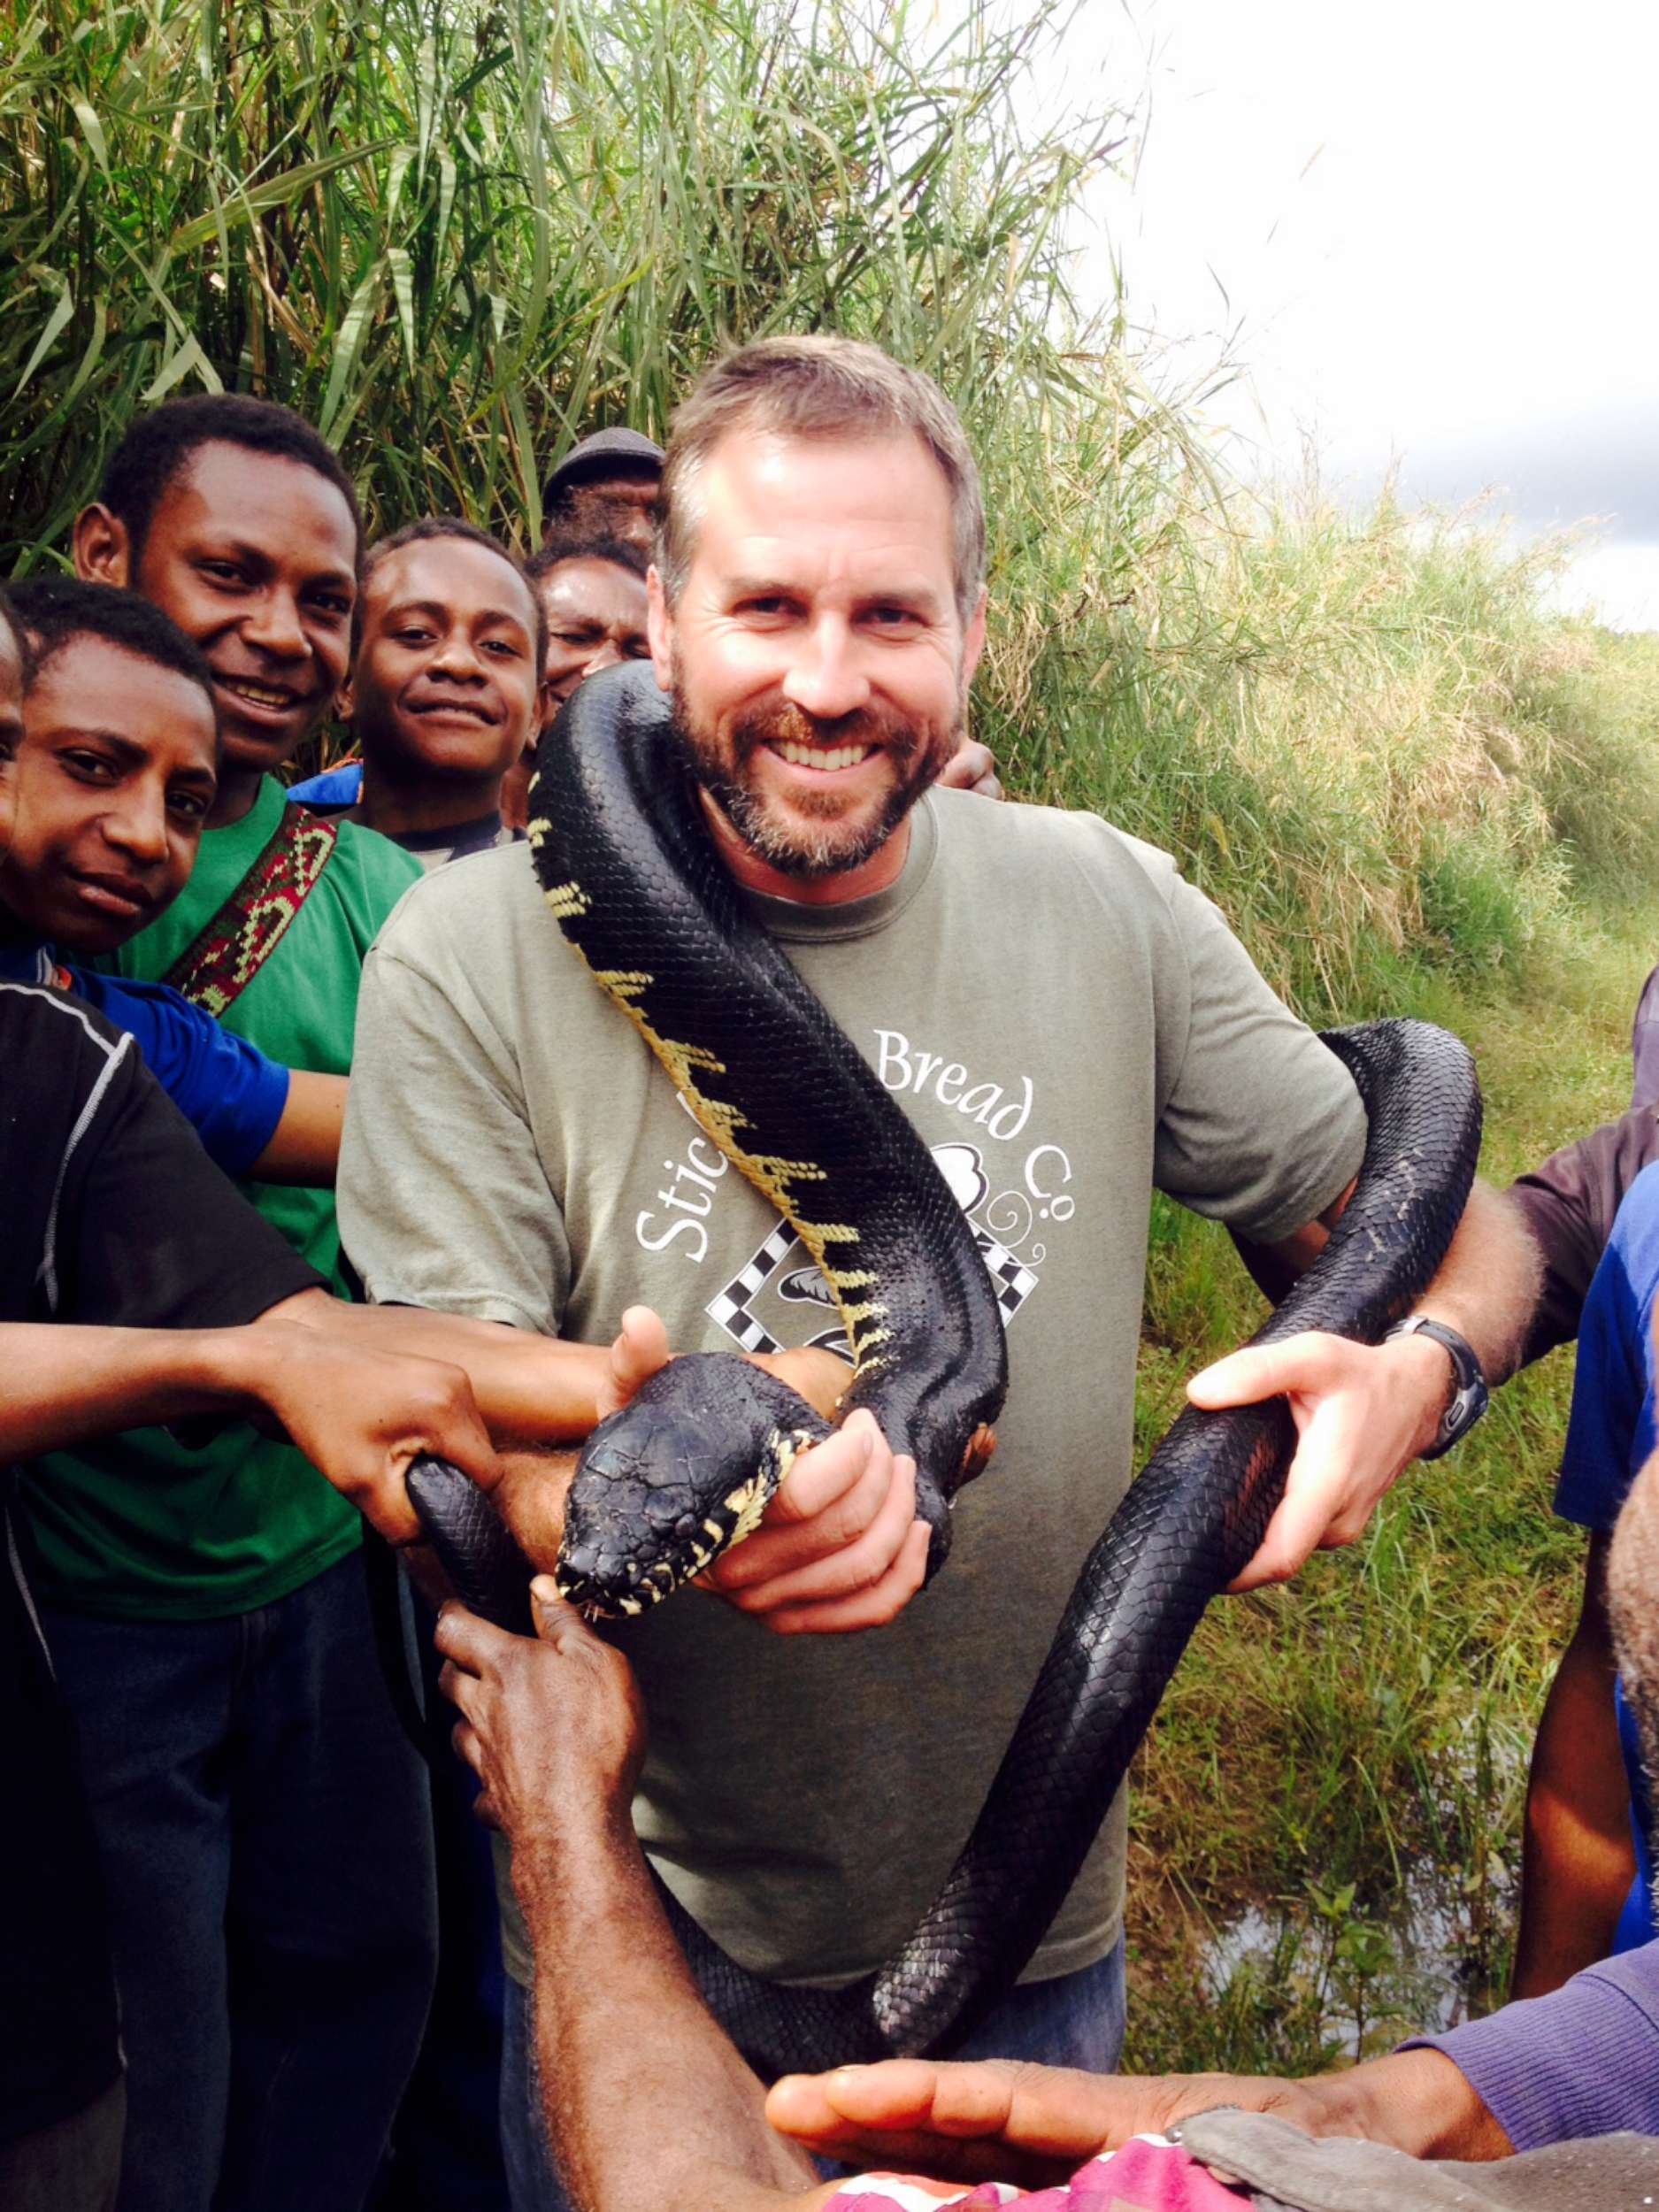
(1066, 1023)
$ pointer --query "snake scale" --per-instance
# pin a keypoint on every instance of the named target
(628, 868)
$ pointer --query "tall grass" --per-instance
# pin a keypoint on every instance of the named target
(1364, 734)
(458, 234)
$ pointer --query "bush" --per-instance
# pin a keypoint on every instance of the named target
(458, 235)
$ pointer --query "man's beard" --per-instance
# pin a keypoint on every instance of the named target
(917, 753)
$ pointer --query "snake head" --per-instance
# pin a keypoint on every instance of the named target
(684, 1471)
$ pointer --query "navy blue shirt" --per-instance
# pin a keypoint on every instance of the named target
(1611, 1435)
(230, 1092)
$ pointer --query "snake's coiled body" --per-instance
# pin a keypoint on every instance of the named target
(614, 802)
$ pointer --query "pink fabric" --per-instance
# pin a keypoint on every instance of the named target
(1148, 2175)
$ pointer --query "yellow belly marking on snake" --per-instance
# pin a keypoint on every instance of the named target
(775, 1178)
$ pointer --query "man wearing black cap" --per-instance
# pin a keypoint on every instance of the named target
(605, 488)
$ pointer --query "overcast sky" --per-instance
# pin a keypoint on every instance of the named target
(1429, 229)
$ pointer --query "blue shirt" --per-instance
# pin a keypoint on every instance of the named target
(229, 1091)
(1610, 1436)
(335, 787)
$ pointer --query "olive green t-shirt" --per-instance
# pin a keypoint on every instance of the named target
(1068, 1024)
(140, 1527)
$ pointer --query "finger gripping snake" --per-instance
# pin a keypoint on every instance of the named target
(622, 854)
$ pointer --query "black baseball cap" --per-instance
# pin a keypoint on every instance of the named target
(598, 455)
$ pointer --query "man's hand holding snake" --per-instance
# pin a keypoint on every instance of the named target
(552, 1725)
(839, 1547)
(1363, 1412)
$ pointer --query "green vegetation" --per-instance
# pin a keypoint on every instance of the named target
(459, 235)
(1325, 1841)
(456, 235)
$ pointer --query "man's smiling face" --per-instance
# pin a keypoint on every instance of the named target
(818, 663)
(114, 780)
(253, 556)
(445, 679)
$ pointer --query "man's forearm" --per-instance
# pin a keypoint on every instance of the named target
(651, 2105)
(1578, 1857)
(1487, 1285)
(1486, 1288)
(305, 1146)
(64, 1384)
(537, 1389)
(531, 1387)
(1419, 2102)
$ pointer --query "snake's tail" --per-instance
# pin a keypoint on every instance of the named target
(490, 1574)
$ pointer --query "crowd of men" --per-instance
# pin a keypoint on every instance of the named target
(472, 1217)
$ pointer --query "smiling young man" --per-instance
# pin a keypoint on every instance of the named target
(1066, 1024)
(168, 1570)
(445, 691)
(116, 776)
(235, 517)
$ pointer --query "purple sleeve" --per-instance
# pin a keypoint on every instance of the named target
(1583, 2061)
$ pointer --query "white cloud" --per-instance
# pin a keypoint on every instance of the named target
(1430, 227)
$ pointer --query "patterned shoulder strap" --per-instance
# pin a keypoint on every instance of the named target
(235, 945)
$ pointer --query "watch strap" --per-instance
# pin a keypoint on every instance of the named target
(1469, 1394)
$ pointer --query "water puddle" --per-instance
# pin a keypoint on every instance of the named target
(1337, 1972)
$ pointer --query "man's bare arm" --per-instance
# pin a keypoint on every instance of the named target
(305, 1146)
(1364, 1412)
(66, 1383)
(359, 1413)
(1578, 1858)
(650, 2105)
(526, 1385)
(1487, 1286)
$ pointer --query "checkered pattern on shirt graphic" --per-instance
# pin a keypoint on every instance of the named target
(730, 1308)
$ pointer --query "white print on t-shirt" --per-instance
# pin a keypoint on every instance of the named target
(1008, 1228)
(904, 1066)
(688, 1199)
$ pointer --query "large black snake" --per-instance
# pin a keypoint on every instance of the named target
(628, 868)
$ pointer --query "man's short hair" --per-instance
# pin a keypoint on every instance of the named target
(440, 527)
(157, 448)
(577, 545)
(52, 612)
(821, 386)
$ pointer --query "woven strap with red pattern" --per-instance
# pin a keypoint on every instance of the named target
(230, 950)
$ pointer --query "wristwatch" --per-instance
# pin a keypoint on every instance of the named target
(1469, 1394)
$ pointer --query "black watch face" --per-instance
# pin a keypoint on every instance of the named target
(1465, 1410)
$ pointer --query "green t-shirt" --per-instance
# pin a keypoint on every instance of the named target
(1067, 1025)
(140, 1527)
